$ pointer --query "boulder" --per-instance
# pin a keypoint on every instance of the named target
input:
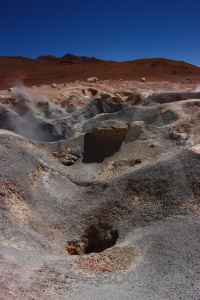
(134, 99)
(92, 79)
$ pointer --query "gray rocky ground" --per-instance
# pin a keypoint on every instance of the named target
(101, 177)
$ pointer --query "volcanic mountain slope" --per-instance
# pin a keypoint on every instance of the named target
(48, 69)
(111, 184)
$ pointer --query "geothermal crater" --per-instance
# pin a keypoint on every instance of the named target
(99, 177)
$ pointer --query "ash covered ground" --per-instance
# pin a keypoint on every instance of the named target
(100, 177)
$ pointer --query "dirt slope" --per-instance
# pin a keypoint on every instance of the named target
(48, 69)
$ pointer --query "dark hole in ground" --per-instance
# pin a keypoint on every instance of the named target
(97, 239)
(93, 91)
(96, 150)
(100, 239)
(102, 144)
(134, 162)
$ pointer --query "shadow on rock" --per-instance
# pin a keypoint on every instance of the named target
(103, 142)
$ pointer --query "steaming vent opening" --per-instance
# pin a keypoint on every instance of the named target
(96, 240)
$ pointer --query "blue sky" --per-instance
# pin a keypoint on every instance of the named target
(110, 30)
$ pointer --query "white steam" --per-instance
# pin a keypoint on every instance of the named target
(20, 88)
(197, 89)
(25, 117)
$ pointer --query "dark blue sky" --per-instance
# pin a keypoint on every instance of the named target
(110, 30)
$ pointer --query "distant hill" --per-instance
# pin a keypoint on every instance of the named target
(48, 69)
(75, 58)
